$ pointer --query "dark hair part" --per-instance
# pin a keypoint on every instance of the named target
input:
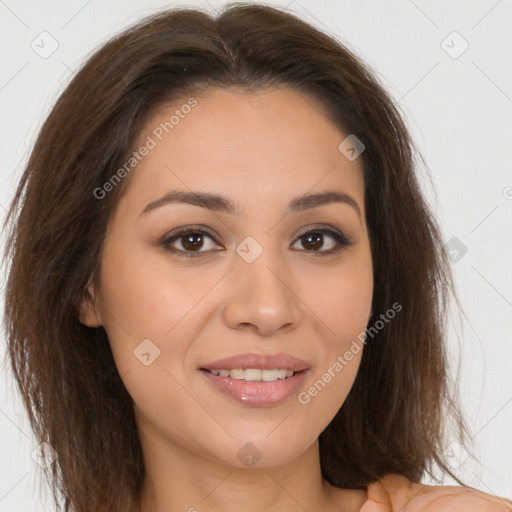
(394, 417)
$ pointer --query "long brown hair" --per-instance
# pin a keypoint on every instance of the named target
(395, 416)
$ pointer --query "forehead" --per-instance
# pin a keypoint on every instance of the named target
(272, 144)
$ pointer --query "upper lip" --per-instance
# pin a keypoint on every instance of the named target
(259, 361)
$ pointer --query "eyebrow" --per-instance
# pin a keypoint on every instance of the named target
(218, 203)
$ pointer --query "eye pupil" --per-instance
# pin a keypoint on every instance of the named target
(188, 241)
(314, 240)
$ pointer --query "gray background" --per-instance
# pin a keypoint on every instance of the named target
(458, 105)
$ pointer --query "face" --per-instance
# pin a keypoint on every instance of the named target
(256, 274)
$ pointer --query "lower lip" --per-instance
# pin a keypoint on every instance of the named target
(257, 393)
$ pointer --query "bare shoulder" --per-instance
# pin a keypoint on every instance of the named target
(395, 492)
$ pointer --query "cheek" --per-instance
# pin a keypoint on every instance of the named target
(341, 307)
(341, 300)
(144, 298)
(150, 313)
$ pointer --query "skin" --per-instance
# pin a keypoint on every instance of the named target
(260, 150)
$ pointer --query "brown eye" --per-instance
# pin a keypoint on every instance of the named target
(314, 241)
(192, 241)
(189, 241)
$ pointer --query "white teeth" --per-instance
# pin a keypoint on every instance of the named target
(282, 374)
(254, 374)
(270, 375)
(237, 374)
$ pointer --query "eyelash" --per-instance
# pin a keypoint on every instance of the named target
(341, 240)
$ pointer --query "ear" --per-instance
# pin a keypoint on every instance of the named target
(89, 314)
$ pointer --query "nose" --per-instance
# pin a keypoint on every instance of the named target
(261, 297)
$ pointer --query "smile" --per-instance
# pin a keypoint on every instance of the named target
(255, 387)
(254, 374)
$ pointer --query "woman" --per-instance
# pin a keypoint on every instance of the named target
(225, 287)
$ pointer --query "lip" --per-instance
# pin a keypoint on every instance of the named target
(256, 393)
(260, 362)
